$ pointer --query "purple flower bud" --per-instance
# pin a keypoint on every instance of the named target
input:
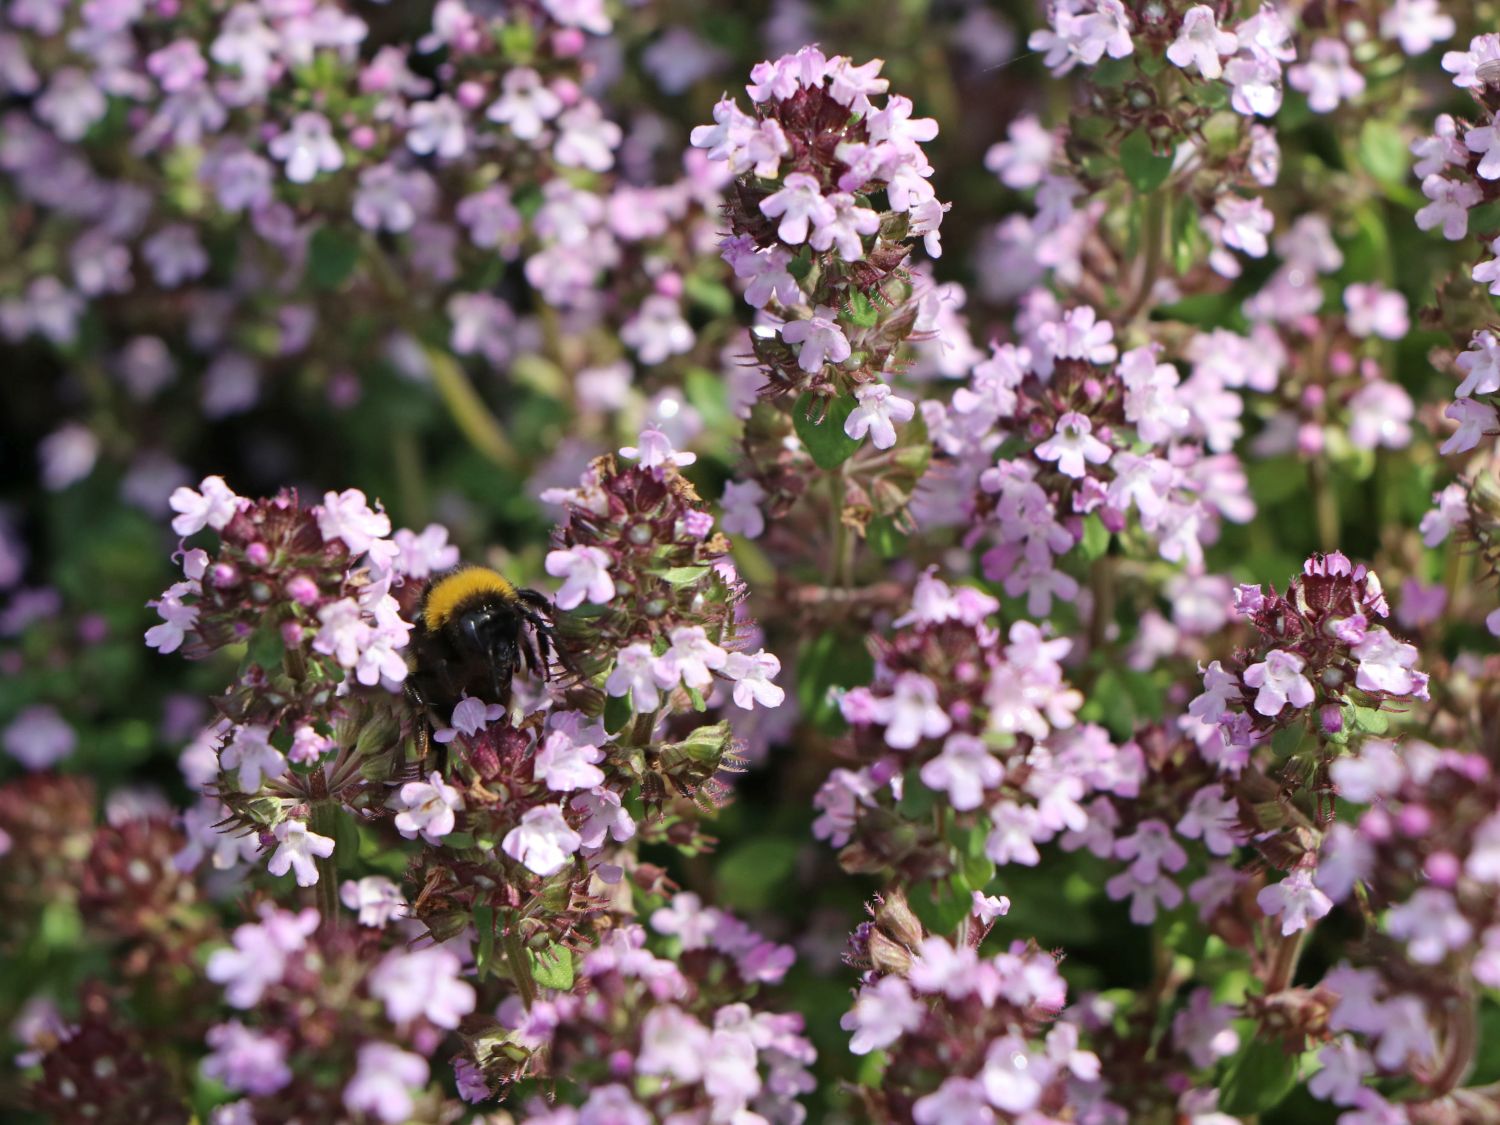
(1442, 868)
(1332, 718)
(1414, 821)
(258, 554)
(302, 590)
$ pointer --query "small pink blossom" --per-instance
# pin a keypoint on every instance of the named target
(298, 849)
(877, 411)
(1072, 444)
(1280, 680)
(427, 808)
(543, 841)
(1296, 900)
(822, 340)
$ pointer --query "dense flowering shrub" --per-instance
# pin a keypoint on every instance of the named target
(1004, 497)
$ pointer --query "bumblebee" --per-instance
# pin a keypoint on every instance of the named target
(474, 629)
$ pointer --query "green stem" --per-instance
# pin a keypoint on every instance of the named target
(1326, 504)
(1284, 967)
(472, 416)
(411, 483)
(325, 816)
(1154, 227)
(520, 963)
(839, 564)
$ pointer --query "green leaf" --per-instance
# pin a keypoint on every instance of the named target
(757, 872)
(1095, 537)
(683, 575)
(1383, 152)
(617, 713)
(861, 312)
(1370, 720)
(1288, 740)
(708, 295)
(553, 968)
(974, 873)
(484, 927)
(830, 660)
(1258, 1078)
(884, 539)
(826, 441)
(331, 257)
(1145, 170)
(916, 799)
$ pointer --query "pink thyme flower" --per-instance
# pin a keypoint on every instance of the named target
(307, 148)
(656, 450)
(422, 983)
(911, 712)
(543, 841)
(1385, 665)
(692, 657)
(384, 1082)
(798, 202)
(298, 850)
(1072, 444)
(428, 808)
(1280, 680)
(1328, 77)
(1296, 900)
(585, 574)
(348, 516)
(39, 737)
(565, 764)
(376, 899)
(882, 1013)
(250, 751)
(246, 1061)
(876, 414)
(214, 505)
(822, 340)
(964, 770)
(470, 716)
(1200, 43)
(752, 674)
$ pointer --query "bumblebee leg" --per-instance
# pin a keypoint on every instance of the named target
(502, 671)
(422, 728)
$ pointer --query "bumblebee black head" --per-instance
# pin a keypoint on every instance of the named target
(475, 629)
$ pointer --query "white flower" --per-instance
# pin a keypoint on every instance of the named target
(565, 764)
(964, 770)
(752, 676)
(375, 897)
(822, 340)
(307, 148)
(214, 505)
(693, 657)
(427, 808)
(882, 1013)
(1201, 44)
(1072, 443)
(1297, 901)
(585, 574)
(1280, 680)
(542, 842)
(798, 202)
(297, 850)
(638, 674)
(251, 751)
(877, 412)
(911, 712)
